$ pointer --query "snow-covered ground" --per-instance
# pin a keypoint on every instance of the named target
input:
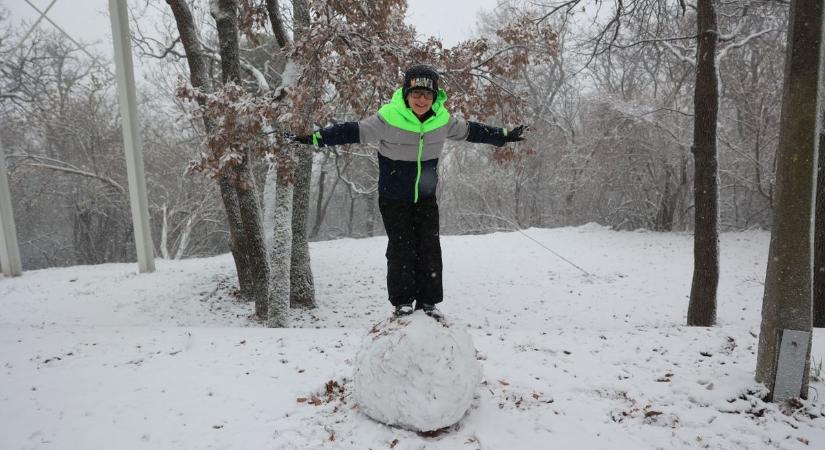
(99, 357)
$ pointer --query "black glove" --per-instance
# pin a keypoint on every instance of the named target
(306, 139)
(515, 134)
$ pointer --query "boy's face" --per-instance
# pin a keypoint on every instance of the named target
(420, 100)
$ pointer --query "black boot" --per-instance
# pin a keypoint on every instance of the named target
(403, 310)
(430, 310)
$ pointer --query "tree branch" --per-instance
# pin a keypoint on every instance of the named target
(723, 52)
(50, 164)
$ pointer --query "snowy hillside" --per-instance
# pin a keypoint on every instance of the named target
(99, 357)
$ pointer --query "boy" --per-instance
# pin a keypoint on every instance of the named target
(411, 131)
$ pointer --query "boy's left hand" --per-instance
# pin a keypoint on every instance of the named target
(515, 134)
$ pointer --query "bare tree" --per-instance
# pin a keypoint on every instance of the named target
(225, 13)
(197, 60)
(702, 307)
(787, 301)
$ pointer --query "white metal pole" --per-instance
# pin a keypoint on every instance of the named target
(118, 13)
(9, 251)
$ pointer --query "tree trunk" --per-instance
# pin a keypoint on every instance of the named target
(667, 203)
(787, 301)
(372, 201)
(320, 201)
(253, 243)
(199, 78)
(236, 232)
(185, 235)
(225, 13)
(281, 249)
(302, 287)
(351, 215)
(702, 307)
(819, 239)
(322, 210)
(278, 29)
(819, 223)
(302, 290)
(164, 233)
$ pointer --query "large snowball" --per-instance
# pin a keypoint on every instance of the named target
(416, 373)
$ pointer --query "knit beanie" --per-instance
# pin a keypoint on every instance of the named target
(420, 77)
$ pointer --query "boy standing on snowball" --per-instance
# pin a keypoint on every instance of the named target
(411, 131)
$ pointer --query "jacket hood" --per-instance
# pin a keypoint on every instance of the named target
(399, 115)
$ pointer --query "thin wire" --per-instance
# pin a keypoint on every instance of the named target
(516, 228)
(69, 37)
(553, 252)
(34, 25)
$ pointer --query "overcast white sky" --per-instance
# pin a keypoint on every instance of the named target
(87, 20)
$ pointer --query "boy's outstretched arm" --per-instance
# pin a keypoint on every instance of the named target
(364, 131)
(485, 134)
(338, 134)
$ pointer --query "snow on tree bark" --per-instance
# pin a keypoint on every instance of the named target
(253, 244)
(702, 307)
(787, 300)
(184, 237)
(302, 289)
(301, 282)
(281, 249)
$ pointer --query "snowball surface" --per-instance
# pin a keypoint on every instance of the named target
(416, 372)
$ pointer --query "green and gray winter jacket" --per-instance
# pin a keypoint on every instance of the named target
(409, 147)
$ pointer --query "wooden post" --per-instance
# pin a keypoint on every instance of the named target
(118, 14)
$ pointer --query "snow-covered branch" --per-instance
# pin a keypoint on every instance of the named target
(724, 51)
(354, 187)
(83, 173)
(679, 55)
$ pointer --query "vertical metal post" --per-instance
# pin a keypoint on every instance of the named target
(9, 251)
(791, 365)
(118, 13)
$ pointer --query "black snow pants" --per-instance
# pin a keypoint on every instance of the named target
(413, 251)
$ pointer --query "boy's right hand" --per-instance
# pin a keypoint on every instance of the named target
(306, 139)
